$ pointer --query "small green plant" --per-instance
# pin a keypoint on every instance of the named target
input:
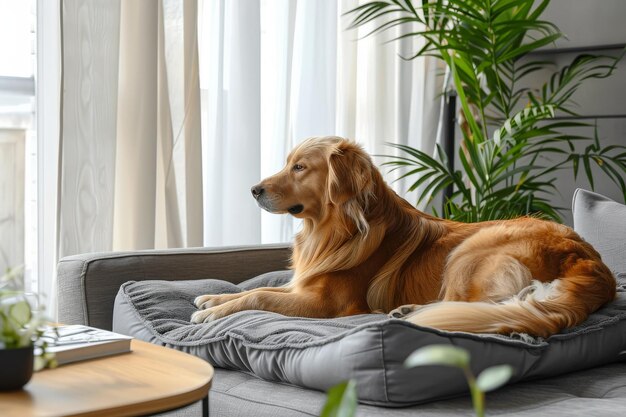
(488, 380)
(21, 325)
(342, 399)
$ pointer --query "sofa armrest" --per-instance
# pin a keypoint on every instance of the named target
(88, 283)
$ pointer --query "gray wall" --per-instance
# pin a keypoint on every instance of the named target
(593, 23)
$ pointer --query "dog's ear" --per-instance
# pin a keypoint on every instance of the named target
(349, 173)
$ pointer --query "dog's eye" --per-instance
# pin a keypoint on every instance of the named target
(298, 167)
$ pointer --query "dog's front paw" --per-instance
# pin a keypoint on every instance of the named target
(204, 301)
(210, 314)
(404, 311)
(203, 316)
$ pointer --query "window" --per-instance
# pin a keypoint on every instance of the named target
(18, 147)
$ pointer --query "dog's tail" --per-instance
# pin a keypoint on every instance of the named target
(541, 310)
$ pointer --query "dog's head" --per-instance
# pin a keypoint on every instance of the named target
(321, 175)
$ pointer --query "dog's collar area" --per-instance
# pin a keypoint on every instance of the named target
(296, 209)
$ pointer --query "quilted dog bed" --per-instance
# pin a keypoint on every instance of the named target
(319, 353)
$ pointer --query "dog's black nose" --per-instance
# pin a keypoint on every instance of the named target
(257, 190)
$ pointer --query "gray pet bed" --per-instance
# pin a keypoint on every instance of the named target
(319, 353)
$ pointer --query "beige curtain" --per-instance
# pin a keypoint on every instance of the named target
(130, 144)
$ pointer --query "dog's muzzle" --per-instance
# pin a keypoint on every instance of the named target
(262, 200)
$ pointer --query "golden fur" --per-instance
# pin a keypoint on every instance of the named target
(363, 248)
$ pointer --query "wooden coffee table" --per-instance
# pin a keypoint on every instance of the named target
(150, 379)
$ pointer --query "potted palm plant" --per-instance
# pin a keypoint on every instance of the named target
(512, 143)
(20, 333)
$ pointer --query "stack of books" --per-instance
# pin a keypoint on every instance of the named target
(75, 343)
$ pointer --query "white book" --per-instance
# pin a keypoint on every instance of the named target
(75, 343)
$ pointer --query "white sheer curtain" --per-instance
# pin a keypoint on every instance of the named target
(275, 72)
(172, 110)
(231, 119)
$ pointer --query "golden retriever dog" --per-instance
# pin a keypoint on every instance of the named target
(364, 249)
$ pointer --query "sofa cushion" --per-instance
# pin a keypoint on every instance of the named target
(594, 392)
(602, 222)
(319, 353)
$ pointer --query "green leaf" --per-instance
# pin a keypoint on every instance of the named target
(494, 377)
(20, 312)
(588, 171)
(575, 160)
(464, 104)
(468, 170)
(341, 400)
(524, 49)
(438, 355)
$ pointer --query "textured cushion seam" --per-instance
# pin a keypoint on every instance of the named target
(541, 406)
(261, 402)
(382, 365)
(160, 337)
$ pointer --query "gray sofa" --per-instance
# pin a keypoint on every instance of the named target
(88, 284)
